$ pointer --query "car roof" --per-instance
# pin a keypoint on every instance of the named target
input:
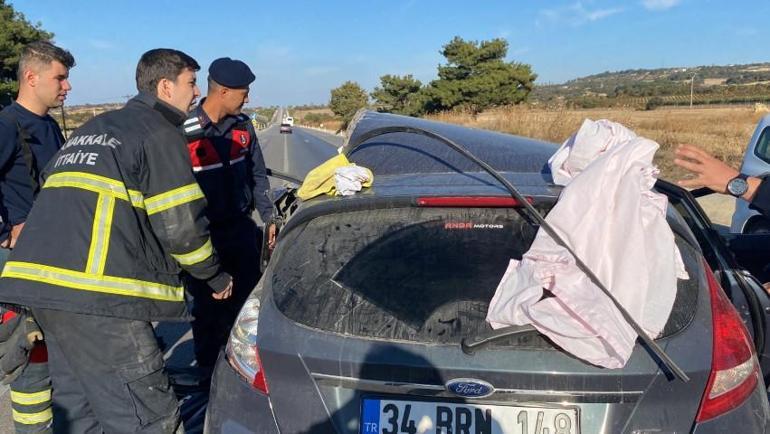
(407, 166)
(402, 153)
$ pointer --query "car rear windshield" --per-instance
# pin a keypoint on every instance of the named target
(414, 274)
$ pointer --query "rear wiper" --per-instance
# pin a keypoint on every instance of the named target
(649, 343)
(469, 346)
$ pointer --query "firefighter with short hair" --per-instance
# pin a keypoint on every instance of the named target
(116, 221)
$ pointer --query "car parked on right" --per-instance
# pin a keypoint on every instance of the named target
(366, 315)
(756, 162)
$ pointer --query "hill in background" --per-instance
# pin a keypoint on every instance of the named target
(650, 88)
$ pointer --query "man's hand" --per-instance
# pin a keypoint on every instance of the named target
(15, 233)
(271, 236)
(10, 242)
(226, 293)
(710, 172)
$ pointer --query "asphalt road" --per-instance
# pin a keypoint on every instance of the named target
(298, 152)
(294, 154)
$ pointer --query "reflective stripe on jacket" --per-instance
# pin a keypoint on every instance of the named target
(118, 218)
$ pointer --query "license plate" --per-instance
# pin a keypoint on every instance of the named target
(382, 416)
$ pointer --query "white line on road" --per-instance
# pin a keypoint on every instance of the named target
(285, 154)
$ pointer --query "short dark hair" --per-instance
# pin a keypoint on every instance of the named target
(212, 84)
(43, 52)
(161, 63)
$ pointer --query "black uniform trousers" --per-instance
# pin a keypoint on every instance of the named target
(107, 375)
(237, 242)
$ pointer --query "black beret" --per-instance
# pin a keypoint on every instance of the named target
(231, 73)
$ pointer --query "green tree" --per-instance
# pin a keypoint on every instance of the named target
(399, 95)
(653, 103)
(15, 33)
(346, 100)
(477, 77)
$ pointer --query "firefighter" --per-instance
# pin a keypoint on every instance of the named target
(116, 221)
(228, 165)
(29, 137)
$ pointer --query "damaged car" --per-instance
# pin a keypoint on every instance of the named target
(370, 315)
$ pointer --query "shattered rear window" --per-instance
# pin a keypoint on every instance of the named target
(413, 274)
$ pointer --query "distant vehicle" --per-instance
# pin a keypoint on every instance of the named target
(367, 307)
(756, 162)
(285, 128)
(288, 120)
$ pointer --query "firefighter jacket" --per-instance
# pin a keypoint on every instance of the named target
(118, 218)
(228, 165)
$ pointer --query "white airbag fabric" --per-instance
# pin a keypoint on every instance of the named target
(609, 216)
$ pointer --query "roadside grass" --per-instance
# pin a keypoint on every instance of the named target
(723, 131)
(322, 118)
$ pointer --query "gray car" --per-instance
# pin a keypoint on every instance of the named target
(756, 162)
(369, 317)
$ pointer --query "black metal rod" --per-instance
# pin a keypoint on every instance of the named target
(64, 122)
(651, 344)
(283, 176)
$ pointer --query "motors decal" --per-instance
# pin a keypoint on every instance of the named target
(472, 225)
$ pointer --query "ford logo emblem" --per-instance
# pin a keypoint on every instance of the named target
(470, 388)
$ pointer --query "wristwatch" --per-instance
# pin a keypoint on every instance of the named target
(738, 185)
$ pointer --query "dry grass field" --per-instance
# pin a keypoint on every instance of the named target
(328, 124)
(723, 131)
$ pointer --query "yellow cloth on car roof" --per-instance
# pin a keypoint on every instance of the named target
(320, 180)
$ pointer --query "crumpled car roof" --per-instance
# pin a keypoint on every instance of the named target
(402, 153)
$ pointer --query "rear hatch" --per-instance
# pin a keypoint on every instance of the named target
(365, 311)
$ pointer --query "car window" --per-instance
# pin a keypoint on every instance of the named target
(415, 274)
(762, 150)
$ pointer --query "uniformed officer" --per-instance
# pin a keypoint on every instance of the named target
(118, 218)
(228, 165)
(29, 138)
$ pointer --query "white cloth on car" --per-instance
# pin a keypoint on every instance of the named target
(609, 216)
(349, 179)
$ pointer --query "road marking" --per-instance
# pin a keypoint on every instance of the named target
(285, 154)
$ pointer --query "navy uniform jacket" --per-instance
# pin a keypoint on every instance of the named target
(44, 138)
(228, 165)
(761, 200)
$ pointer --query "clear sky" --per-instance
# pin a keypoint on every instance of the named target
(300, 50)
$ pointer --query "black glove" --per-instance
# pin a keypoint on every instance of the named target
(17, 337)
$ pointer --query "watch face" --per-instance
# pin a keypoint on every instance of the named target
(737, 187)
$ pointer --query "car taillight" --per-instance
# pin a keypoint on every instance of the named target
(734, 369)
(470, 201)
(242, 353)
